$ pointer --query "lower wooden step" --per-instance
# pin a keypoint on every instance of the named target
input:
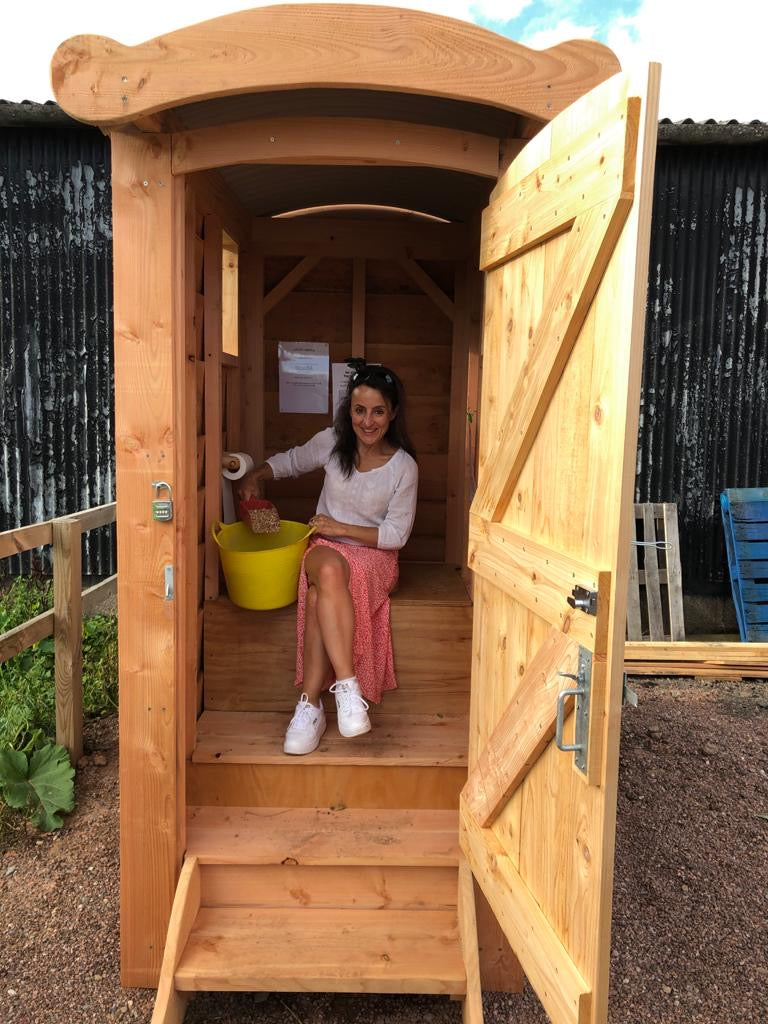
(330, 950)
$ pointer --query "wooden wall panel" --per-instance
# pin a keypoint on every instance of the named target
(146, 307)
(396, 325)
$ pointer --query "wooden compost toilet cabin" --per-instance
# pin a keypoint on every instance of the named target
(429, 195)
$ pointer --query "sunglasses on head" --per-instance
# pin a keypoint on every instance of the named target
(372, 372)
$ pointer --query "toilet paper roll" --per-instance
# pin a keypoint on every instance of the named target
(244, 465)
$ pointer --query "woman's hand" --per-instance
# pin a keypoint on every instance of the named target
(328, 527)
(251, 484)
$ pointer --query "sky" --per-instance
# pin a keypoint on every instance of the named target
(712, 54)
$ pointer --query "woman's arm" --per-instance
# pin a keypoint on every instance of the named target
(295, 462)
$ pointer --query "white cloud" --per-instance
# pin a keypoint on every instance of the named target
(559, 33)
(712, 57)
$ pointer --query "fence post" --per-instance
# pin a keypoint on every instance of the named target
(68, 633)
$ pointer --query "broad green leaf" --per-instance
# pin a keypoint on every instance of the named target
(43, 786)
(51, 775)
(13, 778)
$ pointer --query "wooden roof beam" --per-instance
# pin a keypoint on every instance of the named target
(335, 140)
(332, 46)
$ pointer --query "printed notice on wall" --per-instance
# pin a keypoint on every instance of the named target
(303, 368)
(340, 378)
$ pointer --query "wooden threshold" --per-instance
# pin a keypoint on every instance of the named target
(329, 950)
(317, 836)
(256, 737)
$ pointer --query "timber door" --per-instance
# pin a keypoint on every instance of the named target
(565, 249)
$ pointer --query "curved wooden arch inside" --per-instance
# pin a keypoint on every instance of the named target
(332, 46)
(337, 141)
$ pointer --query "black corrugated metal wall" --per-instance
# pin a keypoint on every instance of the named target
(56, 367)
(704, 416)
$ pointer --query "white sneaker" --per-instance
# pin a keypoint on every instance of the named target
(351, 708)
(305, 729)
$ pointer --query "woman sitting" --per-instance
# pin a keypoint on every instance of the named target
(364, 516)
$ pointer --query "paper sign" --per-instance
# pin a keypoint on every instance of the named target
(303, 376)
(340, 382)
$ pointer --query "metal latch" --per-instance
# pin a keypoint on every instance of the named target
(582, 693)
(583, 599)
(169, 583)
(162, 508)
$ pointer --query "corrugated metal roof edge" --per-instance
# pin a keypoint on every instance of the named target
(27, 112)
(688, 131)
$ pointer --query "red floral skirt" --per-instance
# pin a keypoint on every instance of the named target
(373, 574)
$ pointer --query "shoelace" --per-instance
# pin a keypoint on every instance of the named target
(303, 714)
(348, 699)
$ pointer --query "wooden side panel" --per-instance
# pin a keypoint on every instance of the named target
(145, 268)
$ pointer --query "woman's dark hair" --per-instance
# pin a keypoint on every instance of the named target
(381, 379)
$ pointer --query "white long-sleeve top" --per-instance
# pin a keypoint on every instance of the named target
(384, 497)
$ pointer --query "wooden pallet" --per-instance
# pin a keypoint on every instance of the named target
(745, 522)
(655, 600)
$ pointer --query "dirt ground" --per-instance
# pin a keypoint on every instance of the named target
(690, 894)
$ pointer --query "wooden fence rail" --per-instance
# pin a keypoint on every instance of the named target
(65, 619)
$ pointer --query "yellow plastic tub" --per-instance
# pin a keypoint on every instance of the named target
(262, 571)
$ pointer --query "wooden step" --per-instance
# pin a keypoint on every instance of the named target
(241, 737)
(314, 836)
(250, 657)
(329, 950)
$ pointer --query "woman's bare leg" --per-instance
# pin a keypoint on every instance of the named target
(316, 661)
(328, 572)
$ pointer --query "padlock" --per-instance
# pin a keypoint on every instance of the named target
(162, 508)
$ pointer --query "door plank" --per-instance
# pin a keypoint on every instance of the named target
(524, 730)
(541, 578)
(590, 170)
(590, 244)
(563, 992)
(652, 586)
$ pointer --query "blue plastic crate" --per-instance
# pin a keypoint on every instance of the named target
(745, 521)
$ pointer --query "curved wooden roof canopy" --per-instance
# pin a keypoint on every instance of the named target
(397, 67)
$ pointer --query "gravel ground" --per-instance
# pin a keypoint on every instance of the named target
(689, 936)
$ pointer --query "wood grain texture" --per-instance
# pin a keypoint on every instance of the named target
(212, 297)
(288, 949)
(144, 266)
(240, 737)
(23, 636)
(337, 46)
(472, 1007)
(303, 785)
(346, 238)
(335, 140)
(321, 836)
(431, 628)
(551, 846)
(25, 538)
(170, 1004)
(68, 635)
(523, 731)
(366, 887)
(563, 992)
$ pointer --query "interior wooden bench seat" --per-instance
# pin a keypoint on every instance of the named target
(249, 656)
